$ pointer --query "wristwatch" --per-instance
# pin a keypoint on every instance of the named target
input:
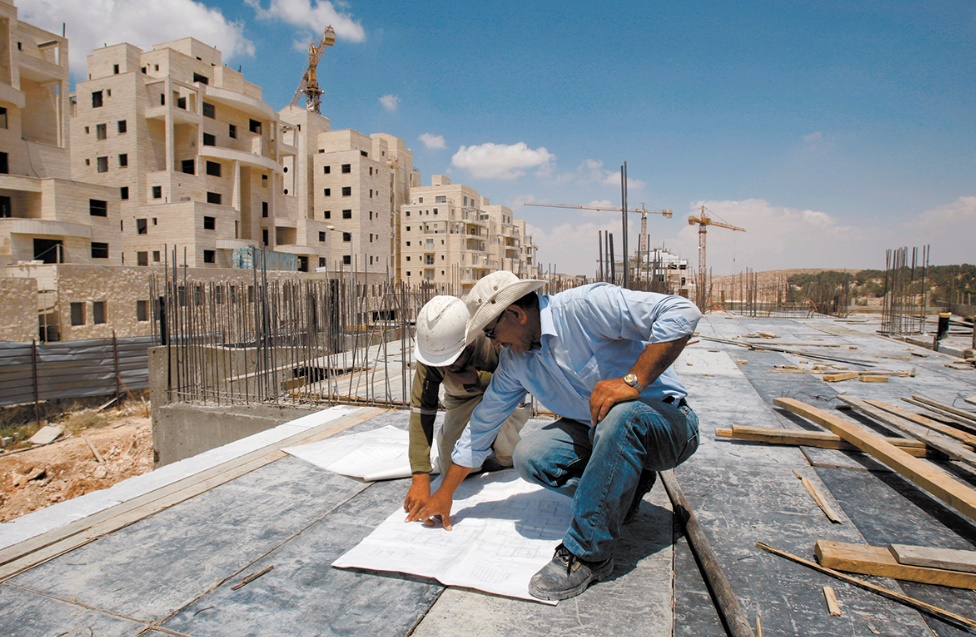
(631, 379)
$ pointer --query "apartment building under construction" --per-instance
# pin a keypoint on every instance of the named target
(168, 156)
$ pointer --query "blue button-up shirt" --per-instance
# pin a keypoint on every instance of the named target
(590, 333)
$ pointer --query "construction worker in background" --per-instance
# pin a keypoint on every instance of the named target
(464, 369)
(600, 356)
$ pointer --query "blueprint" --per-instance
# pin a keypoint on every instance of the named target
(505, 530)
(380, 454)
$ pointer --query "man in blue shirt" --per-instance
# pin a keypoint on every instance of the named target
(600, 357)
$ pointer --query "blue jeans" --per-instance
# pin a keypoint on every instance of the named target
(599, 466)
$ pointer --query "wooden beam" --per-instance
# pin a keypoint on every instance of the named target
(921, 473)
(965, 423)
(797, 437)
(872, 378)
(962, 413)
(958, 434)
(836, 378)
(901, 598)
(878, 560)
(949, 446)
(948, 559)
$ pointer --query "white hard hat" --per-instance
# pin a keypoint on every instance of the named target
(441, 331)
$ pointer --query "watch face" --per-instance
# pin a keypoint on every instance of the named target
(630, 379)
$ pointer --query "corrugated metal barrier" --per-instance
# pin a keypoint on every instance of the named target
(32, 372)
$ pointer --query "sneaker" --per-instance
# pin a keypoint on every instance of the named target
(644, 484)
(567, 575)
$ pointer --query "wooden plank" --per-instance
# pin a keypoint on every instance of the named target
(919, 419)
(819, 498)
(944, 415)
(832, 606)
(948, 559)
(98, 456)
(921, 473)
(874, 588)
(836, 378)
(949, 446)
(872, 378)
(820, 439)
(962, 413)
(878, 560)
(19, 557)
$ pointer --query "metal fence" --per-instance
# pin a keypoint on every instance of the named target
(33, 372)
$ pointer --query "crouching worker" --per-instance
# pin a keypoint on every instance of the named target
(600, 356)
(444, 358)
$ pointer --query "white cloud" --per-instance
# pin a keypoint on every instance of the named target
(390, 102)
(142, 24)
(433, 142)
(778, 237)
(813, 138)
(948, 230)
(502, 161)
(311, 16)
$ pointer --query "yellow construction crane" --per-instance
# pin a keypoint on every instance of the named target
(309, 86)
(667, 214)
(703, 221)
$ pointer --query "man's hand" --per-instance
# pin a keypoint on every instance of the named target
(606, 394)
(440, 503)
(418, 494)
(438, 506)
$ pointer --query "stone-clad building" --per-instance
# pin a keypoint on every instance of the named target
(167, 153)
(452, 236)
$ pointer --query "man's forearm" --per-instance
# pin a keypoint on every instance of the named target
(453, 478)
(656, 358)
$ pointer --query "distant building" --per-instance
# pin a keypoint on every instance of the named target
(451, 236)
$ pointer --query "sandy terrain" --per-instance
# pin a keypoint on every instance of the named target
(35, 478)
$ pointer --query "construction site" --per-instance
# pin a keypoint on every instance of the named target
(240, 287)
(831, 445)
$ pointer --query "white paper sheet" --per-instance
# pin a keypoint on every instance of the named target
(379, 454)
(505, 530)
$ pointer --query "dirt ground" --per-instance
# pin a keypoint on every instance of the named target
(35, 478)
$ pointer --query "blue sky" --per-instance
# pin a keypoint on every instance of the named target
(830, 130)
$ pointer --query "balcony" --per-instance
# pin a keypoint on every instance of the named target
(250, 105)
(40, 70)
(12, 95)
(44, 228)
(245, 158)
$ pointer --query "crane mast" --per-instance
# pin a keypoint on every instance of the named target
(703, 221)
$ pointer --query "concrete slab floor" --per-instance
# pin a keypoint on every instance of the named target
(173, 572)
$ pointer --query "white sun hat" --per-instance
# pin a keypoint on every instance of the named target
(441, 327)
(492, 294)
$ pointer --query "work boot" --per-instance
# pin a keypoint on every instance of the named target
(644, 484)
(567, 575)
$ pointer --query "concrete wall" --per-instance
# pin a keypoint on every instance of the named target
(182, 430)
